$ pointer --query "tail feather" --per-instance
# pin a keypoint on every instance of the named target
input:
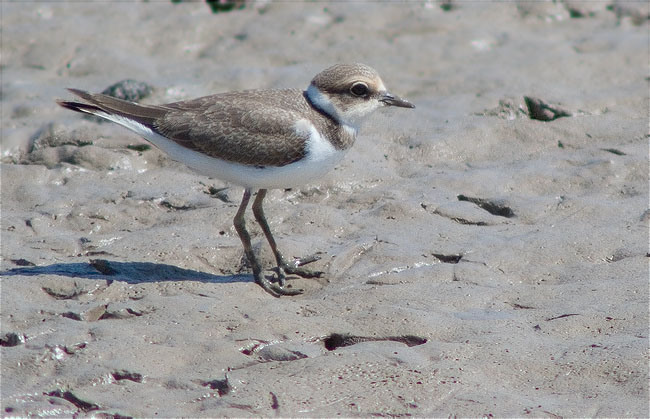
(103, 105)
(79, 107)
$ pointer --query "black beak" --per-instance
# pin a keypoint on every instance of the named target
(392, 100)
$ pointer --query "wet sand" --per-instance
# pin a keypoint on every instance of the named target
(478, 261)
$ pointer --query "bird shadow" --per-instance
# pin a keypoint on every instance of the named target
(130, 272)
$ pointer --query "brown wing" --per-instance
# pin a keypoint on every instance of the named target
(252, 127)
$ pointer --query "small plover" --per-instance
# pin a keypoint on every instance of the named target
(258, 139)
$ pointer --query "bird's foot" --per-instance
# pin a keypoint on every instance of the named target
(274, 289)
(295, 267)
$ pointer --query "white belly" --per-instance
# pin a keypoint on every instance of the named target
(298, 173)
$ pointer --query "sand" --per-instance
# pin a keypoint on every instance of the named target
(478, 262)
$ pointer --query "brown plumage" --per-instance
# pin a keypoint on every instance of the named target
(253, 127)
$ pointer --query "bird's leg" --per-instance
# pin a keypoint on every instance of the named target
(283, 266)
(240, 226)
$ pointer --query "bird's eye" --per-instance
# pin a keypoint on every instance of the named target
(359, 89)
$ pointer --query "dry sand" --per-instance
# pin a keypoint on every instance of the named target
(517, 248)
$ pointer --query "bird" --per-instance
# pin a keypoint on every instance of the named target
(258, 139)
